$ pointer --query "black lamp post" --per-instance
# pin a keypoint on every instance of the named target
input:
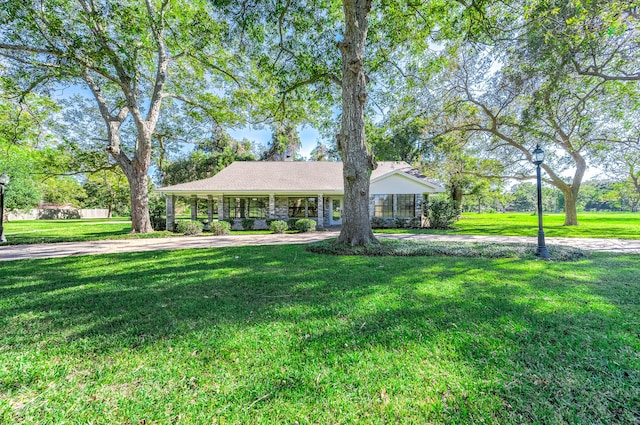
(537, 157)
(4, 180)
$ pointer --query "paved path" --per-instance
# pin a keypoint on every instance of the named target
(54, 250)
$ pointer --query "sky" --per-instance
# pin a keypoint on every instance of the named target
(309, 137)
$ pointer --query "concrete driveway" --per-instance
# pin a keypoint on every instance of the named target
(55, 250)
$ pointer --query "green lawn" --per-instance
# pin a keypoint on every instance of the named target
(281, 335)
(48, 231)
(591, 225)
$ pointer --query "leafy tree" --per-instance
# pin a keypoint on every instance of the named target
(22, 192)
(207, 159)
(296, 47)
(108, 189)
(285, 144)
(130, 55)
(63, 191)
(323, 153)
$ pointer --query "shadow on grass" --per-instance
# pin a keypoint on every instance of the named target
(544, 341)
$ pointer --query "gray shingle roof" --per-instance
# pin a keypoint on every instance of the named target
(284, 176)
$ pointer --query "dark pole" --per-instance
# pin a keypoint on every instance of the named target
(2, 238)
(541, 251)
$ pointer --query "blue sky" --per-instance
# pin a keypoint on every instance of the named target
(308, 135)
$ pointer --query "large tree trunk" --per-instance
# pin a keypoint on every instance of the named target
(570, 208)
(357, 160)
(139, 188)
(137, 173)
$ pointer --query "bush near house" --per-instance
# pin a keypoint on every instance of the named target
(306, 225)
(400, 222)
(247, 223)
(278, 226)
(378, 223)
(220, 227)
(292, 223)
(442, 214)
(190, 227)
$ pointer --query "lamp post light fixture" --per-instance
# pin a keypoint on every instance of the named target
(4, 180)
(537, 157)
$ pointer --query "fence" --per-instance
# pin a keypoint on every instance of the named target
(58, 214)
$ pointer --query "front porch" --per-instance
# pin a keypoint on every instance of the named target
(325, 210)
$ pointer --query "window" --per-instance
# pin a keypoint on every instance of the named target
(236, 207)
(383, 205)
(312, 207)
(258, 207)
(247, 207)
(303, 207)
(406, 205)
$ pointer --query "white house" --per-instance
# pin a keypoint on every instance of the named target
(292, 189)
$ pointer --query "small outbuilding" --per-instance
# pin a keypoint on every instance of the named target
(283, 190)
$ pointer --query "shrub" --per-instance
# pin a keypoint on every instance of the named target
(377, 222)
(399, 223)
(278, 226)
(306, 225)
(425, 248)
(269, 221)
(190, 227)
(247, 223)
(231, 221)
(442, 214)
(292, 223)
(415, 223)
(220, 227)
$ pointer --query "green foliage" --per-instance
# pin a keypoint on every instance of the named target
(189, 227)
(278, 226)
(109, 189)
(285, 144)
(220, 227)
(292, 223)
(63, 191)
(208, 158)
(22, 192)
(441, 213)
(400, 248)
(306, 225)
(400, 222)
(247, 223)
(414, 222)
(231, 221)
(157, 210)
(378, 223)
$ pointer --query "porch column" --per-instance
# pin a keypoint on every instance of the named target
(207, 227)
(272, 206)
(320, 211)
(171, 211)
(220, 207)
(194, 208)
(395, 206)
(372, 206)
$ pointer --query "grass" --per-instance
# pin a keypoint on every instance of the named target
(281, 335)
(49, 231)
(591, 225)
(403, 248)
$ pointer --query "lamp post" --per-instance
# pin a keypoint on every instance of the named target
(4, 180)
(537, 157)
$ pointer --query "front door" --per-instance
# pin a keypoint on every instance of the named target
(336, 211)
